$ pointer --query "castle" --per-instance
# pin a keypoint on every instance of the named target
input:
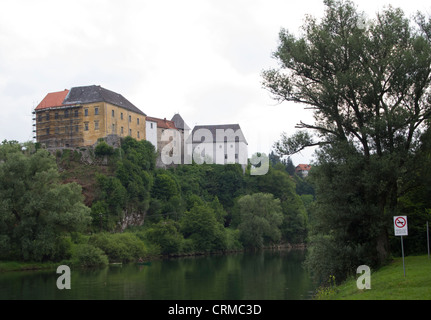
(82, 116)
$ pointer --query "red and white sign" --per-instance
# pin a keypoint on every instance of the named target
(400, 225)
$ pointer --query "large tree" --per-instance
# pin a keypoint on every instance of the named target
(368, 86)
(36, 210)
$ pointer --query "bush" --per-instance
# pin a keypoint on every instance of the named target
(118, 247)
(165, 234)
(103, 149)
(87, 255)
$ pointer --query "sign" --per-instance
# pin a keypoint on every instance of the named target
(400, 225)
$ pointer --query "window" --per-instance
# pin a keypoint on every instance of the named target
(96, 125)
(86, 112)
(47, 130)
(96, 111)
(122, 130)
(66, 113)
(56, 115)
(121, 116)
(137, 119)
(151, 125)
(113, 128)
(47, 116)
(76, 113)
(130, 132)
(113, 113)
(85, 126)
(130, 118)
(40, 117)
(139, 136)
(57, 130)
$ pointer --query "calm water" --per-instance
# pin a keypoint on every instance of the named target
(267, 275)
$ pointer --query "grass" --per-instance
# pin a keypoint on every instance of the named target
(389, 283)
(20, 266)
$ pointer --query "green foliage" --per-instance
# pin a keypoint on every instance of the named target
(165, 186)
(260, 218)
(166, 235)
(141, 153)
(35, 208)
(86, 255)
(103, 149)
(200, 224)
(119, 247)
(282, 186)
(368, 87)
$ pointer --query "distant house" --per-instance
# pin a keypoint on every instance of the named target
(219, 144)
(81, 115)
(302, 169)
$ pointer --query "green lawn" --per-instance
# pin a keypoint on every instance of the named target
(389, 283)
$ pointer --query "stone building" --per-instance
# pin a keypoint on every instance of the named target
(80, 116)
(219, 144)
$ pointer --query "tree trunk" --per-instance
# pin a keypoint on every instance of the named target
(382, 247)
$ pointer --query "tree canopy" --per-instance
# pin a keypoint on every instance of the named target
(36, 209)
(368, 86)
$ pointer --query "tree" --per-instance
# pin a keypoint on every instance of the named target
(200, 224)
(260, 218)
(166, 235)
(369, 90)
(36, 210)
(281, 185)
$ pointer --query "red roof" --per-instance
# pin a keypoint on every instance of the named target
(53, 99)
(303, 167)
(163, 123)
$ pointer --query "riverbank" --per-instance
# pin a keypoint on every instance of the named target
(389, 283)
(23, 266)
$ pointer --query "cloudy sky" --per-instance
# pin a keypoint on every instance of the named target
(201, 58)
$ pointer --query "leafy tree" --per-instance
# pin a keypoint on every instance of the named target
(165, 186)
(166, 235)
(260, 218)
(281, 185)
(103, 149)
(36, 210)
(200, 224)
(369, 90)
(141, 153)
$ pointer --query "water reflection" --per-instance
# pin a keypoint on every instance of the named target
(266, 275)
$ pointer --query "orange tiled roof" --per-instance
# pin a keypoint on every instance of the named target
(53, 99)
(163, 123)
(303, 167)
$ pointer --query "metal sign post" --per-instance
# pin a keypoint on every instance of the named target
(400, 229)
(428, 240)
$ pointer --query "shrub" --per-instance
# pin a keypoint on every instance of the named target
(119, 246)
(103, 149)
(87, 255)
(165, 234)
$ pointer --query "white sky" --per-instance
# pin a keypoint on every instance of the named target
(201, 58)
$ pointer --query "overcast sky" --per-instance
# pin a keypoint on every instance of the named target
(200, 58)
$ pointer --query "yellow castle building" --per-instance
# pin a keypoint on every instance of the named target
(80, 116)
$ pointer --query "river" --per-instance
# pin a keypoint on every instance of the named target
(264, 275)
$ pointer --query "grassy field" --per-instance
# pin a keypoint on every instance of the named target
(389, 283)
